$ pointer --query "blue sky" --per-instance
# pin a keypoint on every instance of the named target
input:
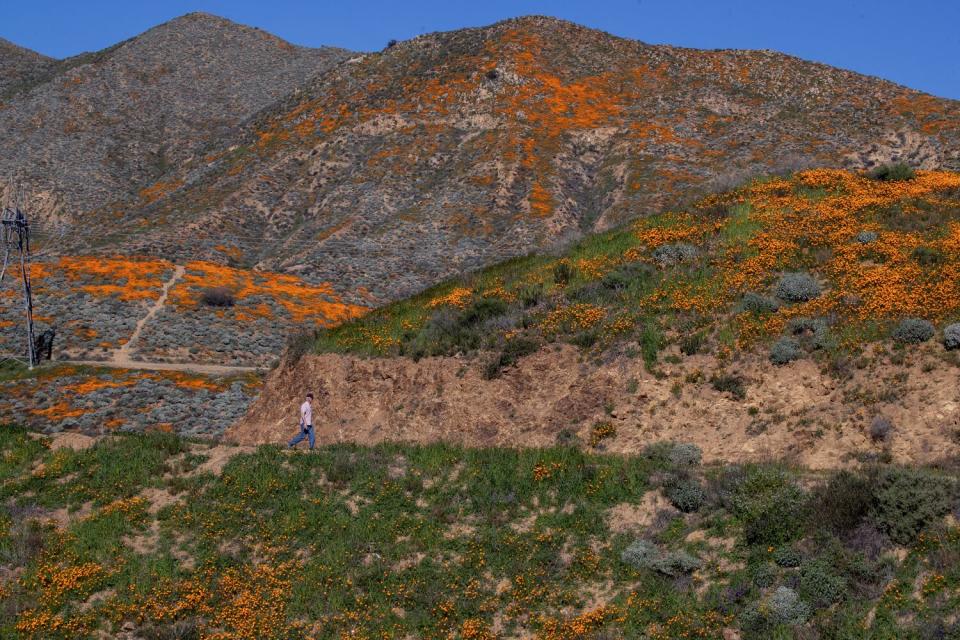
(914, 43)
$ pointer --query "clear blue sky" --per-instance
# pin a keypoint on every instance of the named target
(915, 43)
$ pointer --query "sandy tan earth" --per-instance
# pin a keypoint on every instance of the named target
(796, 411)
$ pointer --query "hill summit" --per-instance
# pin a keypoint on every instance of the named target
(92, 130)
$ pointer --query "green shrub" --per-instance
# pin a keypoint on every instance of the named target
(787, 557)
(635, 275)
(785, 350)
(512, 351)
(786, 607)
(913, 331)
(650, 341)
(448, 331)
(770, 506)
(685, 493)
(562, 273)
(927, 256)
(530, 295)
(677, 454)
(685, 454)
(842, 503)
(951, 336)
(783, 606)
(217, 297)
(615, 281)
(692, 343)
(797, 287)
(643, 554)
(819, 585)
(591, 293)
(729, 383)
(763, 575)
(812, 333)
(669, 255)
(880, 428)
(892, 172)
(585, 339)
(907, 501)
(757, 303)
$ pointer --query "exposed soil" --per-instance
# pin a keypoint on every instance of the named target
(218, 457)
(121, 356)
(796, 411)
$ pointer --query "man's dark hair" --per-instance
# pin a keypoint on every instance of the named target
(310, 395)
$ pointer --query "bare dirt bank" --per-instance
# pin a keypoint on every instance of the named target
(795, 411)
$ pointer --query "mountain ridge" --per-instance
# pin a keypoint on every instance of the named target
(434, 85)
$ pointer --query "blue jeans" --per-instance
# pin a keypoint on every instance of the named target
(305, 432)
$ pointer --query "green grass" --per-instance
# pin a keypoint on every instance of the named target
(428, 541)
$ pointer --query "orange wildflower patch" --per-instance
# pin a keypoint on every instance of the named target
(59, 411)
(57, 581)
(124, 278)
(596, 267)
(187, 381)
(577, 627)
(304, 302)
(459, 298)
(159, 190)
(541, 202)
(254, 603)
(85, 387)
(576, 317)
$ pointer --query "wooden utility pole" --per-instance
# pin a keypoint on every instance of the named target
(16, 233)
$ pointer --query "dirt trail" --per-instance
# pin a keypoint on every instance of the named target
(795, 411)
(121, 356)
(187, 367)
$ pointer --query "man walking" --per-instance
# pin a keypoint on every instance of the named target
(306, 423)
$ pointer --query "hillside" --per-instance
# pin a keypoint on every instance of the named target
(445, 153)
(17, 65)
(813, 316)
(155, 537)
(94, 130)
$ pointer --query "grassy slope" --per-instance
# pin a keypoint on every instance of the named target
(744, 241)
(437, 542)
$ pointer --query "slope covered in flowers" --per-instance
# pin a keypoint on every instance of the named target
(879, 252)
(156, 537)
(93, 400)
(94, 303)
(452, 151)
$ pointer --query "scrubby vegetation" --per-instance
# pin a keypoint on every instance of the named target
(893, 172)
(913, 331)
(824, 261)
(217, 297)
(138, 533)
